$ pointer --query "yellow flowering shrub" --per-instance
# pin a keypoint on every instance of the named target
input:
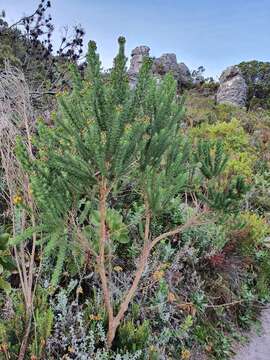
(258, 226)
(185, 354)
(242, 164)
(231, 133)
(236, 143)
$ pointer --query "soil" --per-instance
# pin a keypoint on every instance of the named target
(258, 347)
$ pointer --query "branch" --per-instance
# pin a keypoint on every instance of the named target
(146, 250)
(193, 221)
(102, 243)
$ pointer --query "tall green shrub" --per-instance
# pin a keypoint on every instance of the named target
(105, 137)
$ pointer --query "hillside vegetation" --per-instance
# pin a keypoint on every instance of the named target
(134, 222)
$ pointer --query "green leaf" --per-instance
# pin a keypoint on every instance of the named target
(4, 285)
(4, 241)
(16, 240)
(8, 263)
(114, 220)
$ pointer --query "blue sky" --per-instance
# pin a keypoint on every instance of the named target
(212, 33)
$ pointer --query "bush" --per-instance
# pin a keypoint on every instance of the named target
(257, 76)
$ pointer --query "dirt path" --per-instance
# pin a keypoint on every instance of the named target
(259, 346)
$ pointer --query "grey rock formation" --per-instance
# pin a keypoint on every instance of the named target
(184, 74)
(164, 64)
(161, 66)
(233, 88)
(137, 56)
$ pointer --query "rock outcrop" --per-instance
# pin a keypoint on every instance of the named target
(184, 74)
(164, 64)
(233, 88)
(137, 56)
(161, 66)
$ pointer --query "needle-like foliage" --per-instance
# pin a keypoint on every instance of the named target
(105, 136)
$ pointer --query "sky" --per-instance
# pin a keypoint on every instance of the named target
(212, 33)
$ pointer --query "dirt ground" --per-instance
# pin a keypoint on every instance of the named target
(258, 347)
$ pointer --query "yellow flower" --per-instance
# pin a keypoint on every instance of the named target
(42, 341)
(146, 137)
(70, 349)
(118, 268)
(158, 275)
(185, 355)
(165, 266)
(3, 347)
(128, 127)
(103, 137)
(90, 121)
(119, 108)
(144, 119)
(17, 200)
(95, 317)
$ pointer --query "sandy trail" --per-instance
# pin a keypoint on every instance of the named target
(258, 347)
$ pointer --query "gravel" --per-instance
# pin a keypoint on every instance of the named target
(258, 347)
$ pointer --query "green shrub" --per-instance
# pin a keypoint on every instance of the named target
(257, 76)
(133, 337)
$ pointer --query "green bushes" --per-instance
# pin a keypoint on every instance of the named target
(138, 238)
(257, 76)
(105, 136)
(236, 143)
(6, 261)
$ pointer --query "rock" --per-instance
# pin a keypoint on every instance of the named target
(233, 88)
(161, 66)
(164, 64)
(168, 62)
(184, 74)
(137, 56)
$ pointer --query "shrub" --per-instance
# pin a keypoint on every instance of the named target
(257, 76)
(107, 136)
(236, 144)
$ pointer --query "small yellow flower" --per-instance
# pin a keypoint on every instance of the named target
(119, 108)
(146, 137)
(158, 275)
(165, 266)
(95, 317)
(3, 347)
(71, 350)
(128, 127)
(103, 137)
(185, 355)
(17, 199)
(42, 342)
(118, 268)
(90, 121)
(144, 119)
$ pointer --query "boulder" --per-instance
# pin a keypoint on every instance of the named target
(161, 66)
(184, 74)
(168, 62)
(164, 64)
(233, 88)
(137, 56)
